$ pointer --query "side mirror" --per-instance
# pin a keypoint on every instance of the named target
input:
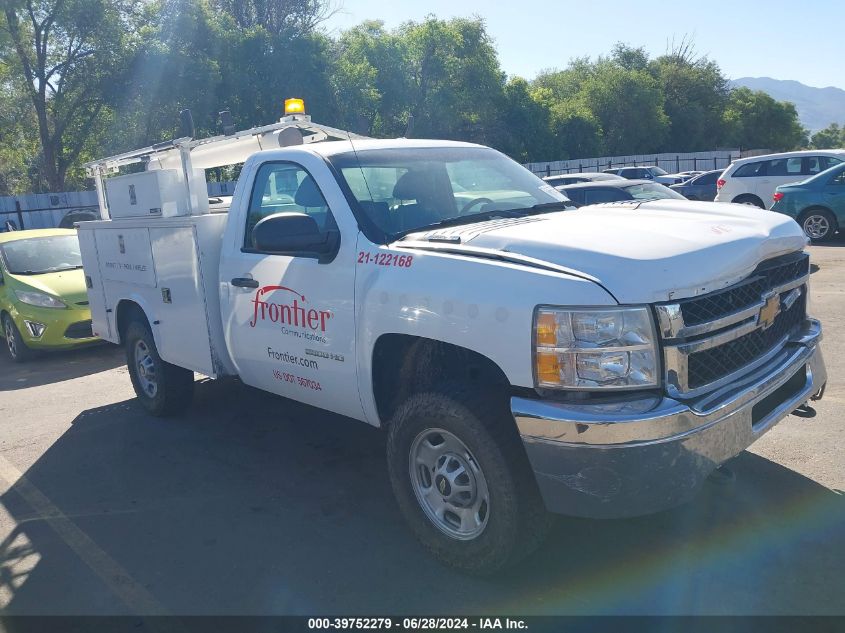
(295, 234)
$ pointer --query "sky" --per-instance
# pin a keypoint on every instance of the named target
(747, 38)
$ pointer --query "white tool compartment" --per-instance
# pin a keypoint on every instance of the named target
(156, 193)
(161, 266)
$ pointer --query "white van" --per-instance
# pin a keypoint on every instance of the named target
(754, 180)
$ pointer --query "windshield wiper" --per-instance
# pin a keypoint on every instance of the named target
(463, 219)
(544, 207)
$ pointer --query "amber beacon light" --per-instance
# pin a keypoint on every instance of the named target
(294, 106)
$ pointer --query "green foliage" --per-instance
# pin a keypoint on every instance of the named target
(832, 137)
(695, 95)
(68, 58)
(754, 119)
(87, 78)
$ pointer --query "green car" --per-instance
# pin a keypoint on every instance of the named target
(818, 203)
(43, 300)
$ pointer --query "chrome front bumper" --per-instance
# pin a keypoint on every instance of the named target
(644, 455)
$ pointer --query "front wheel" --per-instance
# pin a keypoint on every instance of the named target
(18, 351)
(162, 388)
(819, 225)
(462, 481)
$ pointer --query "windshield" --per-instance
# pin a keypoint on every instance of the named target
(405, 190)
(652, 191)
(38, 255)
(657, 171)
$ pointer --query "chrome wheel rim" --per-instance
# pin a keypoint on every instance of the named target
(10, 338)
(816, 227)
(146, 369)
(449, 484)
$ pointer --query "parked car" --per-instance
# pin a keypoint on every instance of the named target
(754, 180)
(702, 187)
(817, 204)
(43, 299)
(645, 173)
(612, 191)
(687, 175)
(586, 176)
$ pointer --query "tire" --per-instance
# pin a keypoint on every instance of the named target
(162, 388)
(487, 478)
(819, 225)
(752, 201)
(15, 345)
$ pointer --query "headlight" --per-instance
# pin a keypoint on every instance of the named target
(39, 299)
(595, 348)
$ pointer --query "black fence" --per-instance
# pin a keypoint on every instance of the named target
(671, 164)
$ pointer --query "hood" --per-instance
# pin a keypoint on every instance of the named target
(67, 285)
(641, 252)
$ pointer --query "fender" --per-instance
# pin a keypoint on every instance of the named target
(431, 298)
(146, 308)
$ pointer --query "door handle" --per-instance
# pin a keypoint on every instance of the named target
(244, 282)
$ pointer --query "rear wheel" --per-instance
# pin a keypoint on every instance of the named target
(463, 482)
(162, 388)
(15, 345)
(752, 201)
(818, 224)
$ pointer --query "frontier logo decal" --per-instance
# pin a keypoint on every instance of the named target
(293, 312)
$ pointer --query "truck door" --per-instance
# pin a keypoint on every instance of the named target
(289, 321)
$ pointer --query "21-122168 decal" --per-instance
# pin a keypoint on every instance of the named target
(385, 259)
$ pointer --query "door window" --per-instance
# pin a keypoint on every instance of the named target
(285, 188)
(785, 167)
(752, 169)
(838, 179)
(826, 162)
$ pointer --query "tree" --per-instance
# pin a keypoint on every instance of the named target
(753, 119)
(524, 132)
(830, 137)
(371, 80)
(628, 104)
(695, 95)
(456, 84)
(629, 57)
(285, 18)
(68, 57)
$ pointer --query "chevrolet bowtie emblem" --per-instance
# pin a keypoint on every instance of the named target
(769, 312)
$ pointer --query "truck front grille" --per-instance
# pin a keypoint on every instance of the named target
(770, 274)
(710, 365)
(713, 339)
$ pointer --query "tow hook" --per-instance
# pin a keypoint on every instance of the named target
(819, 394)
(805, 411)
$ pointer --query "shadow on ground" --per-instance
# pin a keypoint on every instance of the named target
(258, 505)
(51, 367)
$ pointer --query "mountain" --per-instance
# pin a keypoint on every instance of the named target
(817, 107)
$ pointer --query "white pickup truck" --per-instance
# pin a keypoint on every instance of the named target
(523, 356)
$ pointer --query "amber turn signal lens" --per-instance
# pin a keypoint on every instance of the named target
(546, 329)
(548, 368)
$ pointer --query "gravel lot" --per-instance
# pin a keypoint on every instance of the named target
(257, 505)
